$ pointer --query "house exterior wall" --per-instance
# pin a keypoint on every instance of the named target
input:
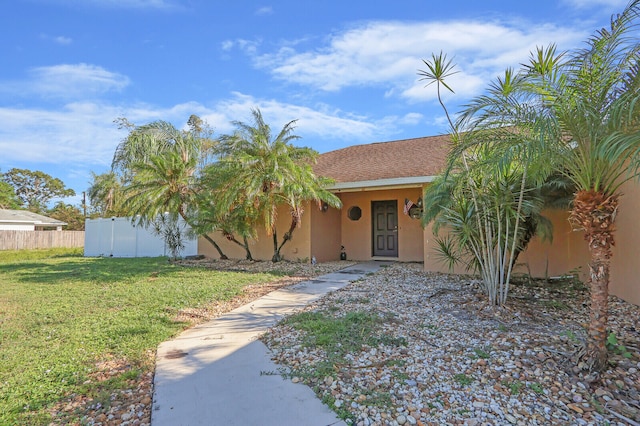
(298, 248)
(625, 264)
(17, 227)
(568, 254)
(356, 235)
(325, 233)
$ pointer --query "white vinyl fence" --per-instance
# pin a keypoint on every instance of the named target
(118, 237)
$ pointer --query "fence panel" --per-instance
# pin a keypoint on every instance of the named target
(118, 237)
(28, 240)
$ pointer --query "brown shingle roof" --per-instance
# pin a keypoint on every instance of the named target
(385, 160)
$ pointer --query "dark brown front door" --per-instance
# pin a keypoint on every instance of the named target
(385, 228)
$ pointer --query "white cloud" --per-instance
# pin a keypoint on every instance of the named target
(583, 4)
(67, 81)
(265, 10)
(390, 53)
(319, 122)
(77, 134)
(82, 135)
(62, 40)
(249, 47)
(411, 118)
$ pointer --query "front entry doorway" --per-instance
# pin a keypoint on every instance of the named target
(385, 228)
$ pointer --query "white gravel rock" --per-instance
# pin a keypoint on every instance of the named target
(447, 357)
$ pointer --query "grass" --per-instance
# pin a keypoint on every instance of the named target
(514, 386)
(483, 353)
(61, 315)
(339, 336)
(463, 380)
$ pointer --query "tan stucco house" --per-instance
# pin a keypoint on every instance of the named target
(374, 181)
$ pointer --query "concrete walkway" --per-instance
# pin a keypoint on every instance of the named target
(218, 373)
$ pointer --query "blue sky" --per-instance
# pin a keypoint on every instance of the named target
(346, 70)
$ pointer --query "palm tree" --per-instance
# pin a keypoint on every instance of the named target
(144, 142)
(105, 194)
(592, 101)
(161, 164)
(269, 172)
(448, 205)
(583, 110)
(235, 220)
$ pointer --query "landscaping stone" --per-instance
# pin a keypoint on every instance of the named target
(466, 362)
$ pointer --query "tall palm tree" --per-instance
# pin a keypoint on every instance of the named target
(160, 164)
(235, 220)
(146, 141)
(583, 111)
(269, 172)
(592, 101)
(105, 194)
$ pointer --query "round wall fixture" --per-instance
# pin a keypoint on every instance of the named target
(354, 213)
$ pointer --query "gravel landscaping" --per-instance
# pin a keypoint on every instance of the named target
(442, 355)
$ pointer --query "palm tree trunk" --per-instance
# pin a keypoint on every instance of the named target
(276, 252)
(206, 237)
(287, 237)
(229, 236)
(595, 212)
(596, 355)
(217, 247)
(246, 247)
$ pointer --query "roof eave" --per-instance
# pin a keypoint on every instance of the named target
(379, 184)
(31, 222)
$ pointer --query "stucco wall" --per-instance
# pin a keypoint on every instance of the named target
(568, 254)
(356, 235)
(325, 233)
(625, 264)
(262, 247)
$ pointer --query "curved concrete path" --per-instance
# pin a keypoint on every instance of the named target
(219, 373)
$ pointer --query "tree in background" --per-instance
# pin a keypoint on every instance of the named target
(8, 198)
(69, 214)
(267, 172)
(105, 195)
(35, 189)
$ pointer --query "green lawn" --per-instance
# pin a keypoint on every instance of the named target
(61, 314)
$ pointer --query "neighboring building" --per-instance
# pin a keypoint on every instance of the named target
(24, 220)
(373, 182)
